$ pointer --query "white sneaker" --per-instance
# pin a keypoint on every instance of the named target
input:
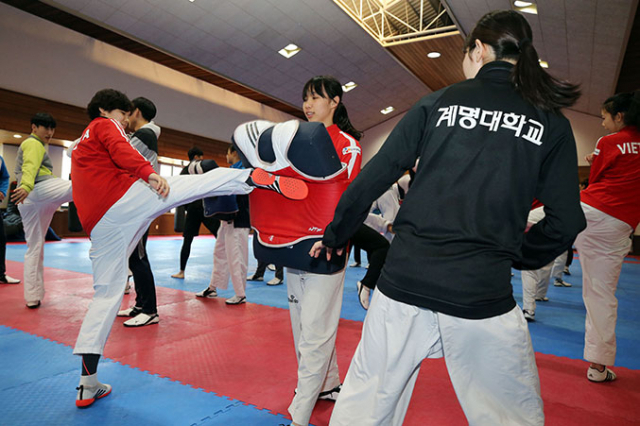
(208, 292)
(130, 312)
(542, 299)
(355, 265)
(275, 281)
(87, 394)
(561, 283)
(363, 295)
(529, 316)
(141, 320)
(236, 300)
(600, 376)
(331, 395)
(9, 280)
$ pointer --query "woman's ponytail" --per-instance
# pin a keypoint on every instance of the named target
(509, 34)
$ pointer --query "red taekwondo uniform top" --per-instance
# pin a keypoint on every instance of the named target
(103, 167)
(614, 180)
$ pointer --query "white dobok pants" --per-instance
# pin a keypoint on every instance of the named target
(37, 211)
(490, 361)
(602, 247)
(230, 258)
(315, 302)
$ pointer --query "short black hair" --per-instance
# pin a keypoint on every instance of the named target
(231, 149)
(193, 152)
(44, 119)
(108, 100)
(146, 107)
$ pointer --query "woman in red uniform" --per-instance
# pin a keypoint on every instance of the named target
(611, 204)
(316, 299)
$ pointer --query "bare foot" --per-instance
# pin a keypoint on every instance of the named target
(178, 275)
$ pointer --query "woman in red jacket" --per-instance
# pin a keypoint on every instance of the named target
(611, 204)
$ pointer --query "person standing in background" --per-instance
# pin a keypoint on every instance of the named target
(38, 195)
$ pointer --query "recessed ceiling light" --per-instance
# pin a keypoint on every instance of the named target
(543, 64)
(387, 110)
(289, 50)
(349, 86)
(433, 55)
(192, 1)
(525, 7)
(17, 136)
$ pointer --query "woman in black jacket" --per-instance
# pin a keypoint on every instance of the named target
(487, 146)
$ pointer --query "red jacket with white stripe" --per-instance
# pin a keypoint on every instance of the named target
(103, 167)
(614, 180)
(348, 150)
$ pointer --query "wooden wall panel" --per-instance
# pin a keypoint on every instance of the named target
(435, 73)
(16, 110)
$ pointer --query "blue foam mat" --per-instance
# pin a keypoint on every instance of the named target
(138, 398)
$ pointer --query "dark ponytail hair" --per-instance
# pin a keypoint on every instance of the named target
(509, 34)
(626, 103)
(327, 86)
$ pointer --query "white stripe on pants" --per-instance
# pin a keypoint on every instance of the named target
(602, 247)
(230, 258)
(117, 233)
(315, 301)
(490, 362)
(37, 211)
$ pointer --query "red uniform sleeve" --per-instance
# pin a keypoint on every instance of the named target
(351, 155)
(124, 155)
(602, 160)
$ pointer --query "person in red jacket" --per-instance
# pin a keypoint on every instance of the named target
(611, 204)
(118, 194)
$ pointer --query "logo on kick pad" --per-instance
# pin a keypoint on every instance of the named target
(292, 299)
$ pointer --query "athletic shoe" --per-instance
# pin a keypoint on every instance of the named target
(6, 279)
(255, 277)
(275, 281)
(88, 395)
(142, 319)
(179, 275)
(271, 267)
(363, 295)
(130, 312)
(566, 271)
(208, 292)
(355, 265)
(529, 316)
(236, 300)
(560, 283)
(33, 305)
(542, 299)
(292, 188)
(331, 395)
(594, 375)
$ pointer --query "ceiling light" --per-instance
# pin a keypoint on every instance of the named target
(289, 50)
(17, 136)
(543, 64)
(349, 86)
(525, 7)
(433, 55)
(192, 1)
(387, 110)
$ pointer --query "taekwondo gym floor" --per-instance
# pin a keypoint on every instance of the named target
(207, 363)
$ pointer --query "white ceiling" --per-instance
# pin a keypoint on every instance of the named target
(583, 41)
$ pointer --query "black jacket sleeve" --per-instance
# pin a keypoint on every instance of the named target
(557, 189)
(398, 154)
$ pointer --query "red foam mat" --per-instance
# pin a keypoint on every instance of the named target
(246, 352)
